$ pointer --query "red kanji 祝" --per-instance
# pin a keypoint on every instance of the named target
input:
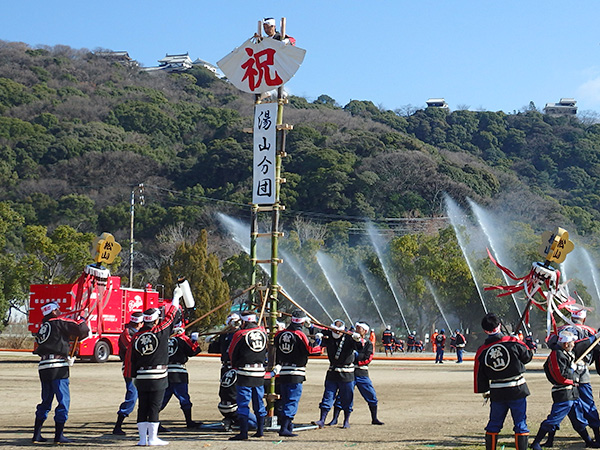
(257, 68)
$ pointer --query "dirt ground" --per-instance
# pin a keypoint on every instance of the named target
(423, 405)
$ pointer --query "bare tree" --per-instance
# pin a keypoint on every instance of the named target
(406, 110)
(588, 117)
(309, 230)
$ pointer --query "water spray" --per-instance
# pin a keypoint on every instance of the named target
(434, 295)
(321, 261)
(371, 231)
(453, 211)
(490, 238)
(364, 274)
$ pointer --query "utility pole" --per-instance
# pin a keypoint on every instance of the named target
(140, 191)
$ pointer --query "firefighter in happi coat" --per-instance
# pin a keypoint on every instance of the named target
(292, 350)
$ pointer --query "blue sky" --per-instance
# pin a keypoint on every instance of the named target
(481, 54)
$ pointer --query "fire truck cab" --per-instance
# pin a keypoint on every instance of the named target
(107, 319)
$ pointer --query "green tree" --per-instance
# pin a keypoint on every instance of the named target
(14, 279)
(202, 271)
(59, 256)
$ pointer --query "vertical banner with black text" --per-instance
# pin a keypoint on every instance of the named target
(263, 175)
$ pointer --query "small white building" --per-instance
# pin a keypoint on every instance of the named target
(176, 62)
(172, 63)
(121, 57)
(214, 69)
(565, 107)
(437, 103)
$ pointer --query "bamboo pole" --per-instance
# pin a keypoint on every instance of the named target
(204, 316)
(587, 350)
(264, 298)
(315, 321)
(253, 249)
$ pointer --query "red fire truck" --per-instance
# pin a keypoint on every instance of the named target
(107, 316)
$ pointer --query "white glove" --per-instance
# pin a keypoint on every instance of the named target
(486, 395)
(71, 360)
(194, 336)
(307, 322)
(319, 336)
(208, 338)
(356, 337)
(277, 369)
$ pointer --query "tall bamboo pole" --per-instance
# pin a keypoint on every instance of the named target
(274, 288)
(253, 250)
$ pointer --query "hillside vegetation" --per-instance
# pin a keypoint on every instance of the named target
(78, 134)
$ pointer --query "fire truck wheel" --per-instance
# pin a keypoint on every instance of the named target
(101, 351)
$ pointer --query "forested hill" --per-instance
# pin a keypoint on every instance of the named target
(78, 133)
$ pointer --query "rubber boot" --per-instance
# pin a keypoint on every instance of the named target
(346, 419)
(374, 419)
(491, 439)
(286, 427)
(321, 422)
(587, 439)
(189, 423)
(290, 427)
(143, 430)
(37, 431)
(117, 429)
(550, 441)
(162, 429)
(153, 438)
(283, 426)
(227, 423)
(243, 434)
(336, 414)
(260, 427)
(521, 441)
(59, 437)
(535, 445)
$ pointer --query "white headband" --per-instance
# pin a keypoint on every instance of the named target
(298, 319)
(341, 327)
(249, 318)
(494, 331)
(269, 21)
(48, 308)
(232, 318)
(363, 325)
(137, 319)
(579, 314)
(151, 317)
(566, 336)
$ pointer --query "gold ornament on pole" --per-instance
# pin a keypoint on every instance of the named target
(105, 248)
(556, 245)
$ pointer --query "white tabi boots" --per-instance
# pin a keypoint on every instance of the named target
(143, 429)
(153, 438)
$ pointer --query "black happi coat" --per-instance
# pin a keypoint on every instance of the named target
(247, 352)
(148, 354)
(53, 345)
(292, 349)
(181, 348)
(499, 368)
(559, 370)
(364, 357)
(340, 352)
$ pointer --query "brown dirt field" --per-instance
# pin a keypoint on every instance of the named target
(424, 405)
